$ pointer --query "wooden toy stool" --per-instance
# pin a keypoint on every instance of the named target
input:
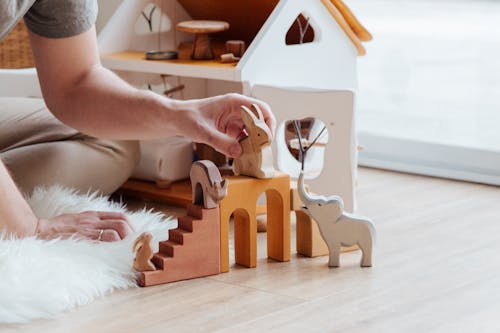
(202, 47)
(241, 202)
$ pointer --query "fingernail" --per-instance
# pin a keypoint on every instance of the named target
(235, 150)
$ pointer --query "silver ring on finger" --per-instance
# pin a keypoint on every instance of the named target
(99, 237)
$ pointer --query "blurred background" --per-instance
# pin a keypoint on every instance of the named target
(429, 86)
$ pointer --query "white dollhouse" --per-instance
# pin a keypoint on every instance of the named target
(312, 75)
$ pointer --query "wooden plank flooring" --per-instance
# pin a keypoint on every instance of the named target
(437, 269)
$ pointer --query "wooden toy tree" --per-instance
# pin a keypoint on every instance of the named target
(337, 228)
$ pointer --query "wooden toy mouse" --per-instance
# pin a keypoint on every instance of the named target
(207, 184)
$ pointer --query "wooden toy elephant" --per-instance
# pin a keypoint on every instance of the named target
(336, 227)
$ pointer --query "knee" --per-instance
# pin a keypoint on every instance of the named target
(124, 157)
(128, 155)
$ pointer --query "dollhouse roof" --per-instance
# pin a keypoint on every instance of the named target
(246, 18)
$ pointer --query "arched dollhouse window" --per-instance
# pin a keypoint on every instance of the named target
(301, 31)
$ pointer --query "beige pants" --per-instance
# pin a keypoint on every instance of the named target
(38, 150)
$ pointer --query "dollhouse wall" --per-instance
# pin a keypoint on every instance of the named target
(127, 29)
(316, 78)
(329, 62)
(245, 18)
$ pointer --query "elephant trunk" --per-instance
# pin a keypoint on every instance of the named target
(303, 195)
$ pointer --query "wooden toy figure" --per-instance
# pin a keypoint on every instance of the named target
(193, 248)
(257, 157)
(144, 253)
(336, 227)
(207, 184)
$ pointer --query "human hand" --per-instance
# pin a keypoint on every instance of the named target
(217, 121)
(88, 225)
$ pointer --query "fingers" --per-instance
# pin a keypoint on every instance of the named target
(107, 235)
(217, 121)
(103, 226)
(224, 143)
(110, 235)
(269, 117)
(121, 227)
(111, 215)
(115, 216)
(114, 225)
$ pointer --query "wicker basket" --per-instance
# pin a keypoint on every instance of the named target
(15, 48)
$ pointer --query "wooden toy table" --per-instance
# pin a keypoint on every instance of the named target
(241, 203)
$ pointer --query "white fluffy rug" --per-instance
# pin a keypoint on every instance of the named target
(39, 279)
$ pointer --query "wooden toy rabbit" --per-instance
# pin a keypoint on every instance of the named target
(144, 253)
(257, 157)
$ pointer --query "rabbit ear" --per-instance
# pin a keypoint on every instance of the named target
(138, 243)
(248, 116)
(258, 111)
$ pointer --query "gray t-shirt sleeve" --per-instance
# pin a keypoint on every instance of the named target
(61, 18)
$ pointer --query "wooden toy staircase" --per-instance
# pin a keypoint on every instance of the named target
(192, 250)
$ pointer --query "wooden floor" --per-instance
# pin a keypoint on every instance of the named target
(436, 269)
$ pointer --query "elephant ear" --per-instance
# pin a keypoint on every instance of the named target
(337, 206)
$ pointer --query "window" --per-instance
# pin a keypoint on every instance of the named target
(429, 87)
(301, 31)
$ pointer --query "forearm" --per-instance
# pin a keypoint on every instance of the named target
(103, 105)
(84, 95)
(16, 216)
(88, 97)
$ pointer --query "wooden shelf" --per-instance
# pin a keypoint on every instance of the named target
(135, 61)
(178, 194)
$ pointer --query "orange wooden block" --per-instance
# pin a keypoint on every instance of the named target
(177, 194)
(309, 241)
(192, 250)
(243, 193)
(241, 201)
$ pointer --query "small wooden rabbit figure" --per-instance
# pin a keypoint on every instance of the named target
(144, 253)
(257, 157)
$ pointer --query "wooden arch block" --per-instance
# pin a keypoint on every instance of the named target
(241, 201)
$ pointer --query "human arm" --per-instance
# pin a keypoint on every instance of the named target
(18, 219)
(16, 216)
(90, 98)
